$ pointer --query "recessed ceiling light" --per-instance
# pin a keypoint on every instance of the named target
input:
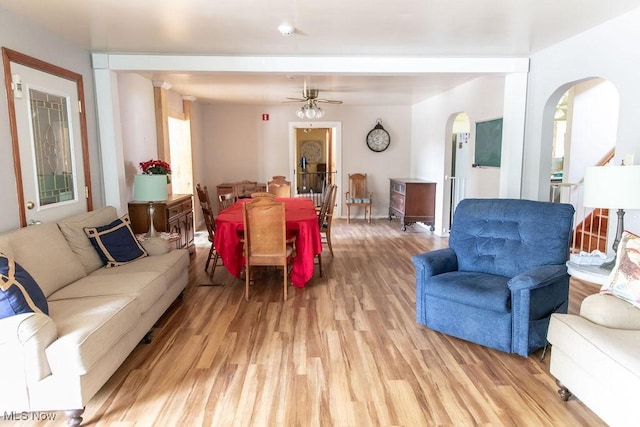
(286, 29)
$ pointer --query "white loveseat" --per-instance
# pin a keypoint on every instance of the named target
(97, 315)
(596, 357)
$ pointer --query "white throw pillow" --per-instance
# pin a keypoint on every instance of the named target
(624, 280)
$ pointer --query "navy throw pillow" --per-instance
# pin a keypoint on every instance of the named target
(116, 244)
(19, 292)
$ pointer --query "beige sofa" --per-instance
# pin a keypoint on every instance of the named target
(97, 315)
(596, 357)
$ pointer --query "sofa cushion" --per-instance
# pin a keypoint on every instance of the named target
(87, 330)
(146, 287)
(624, 280)
(155, 245)
(170, 267)
(5, 245)
(19, 293)
(115, 242)
(73, 230)
(609, 311)
(43, 251)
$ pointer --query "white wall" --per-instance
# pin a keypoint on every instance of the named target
(482, 99)
(138, 124)
(608, 51)
(21, 36)
(594, 122)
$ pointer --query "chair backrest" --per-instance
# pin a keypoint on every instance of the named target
(331, 206)
(225, 200)
(262, 194)
(329, 198)
(207, 210)
(264, 232)
(358, 186)
(509, 236)
(279, 186)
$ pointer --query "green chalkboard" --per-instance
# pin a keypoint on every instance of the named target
(488, 143)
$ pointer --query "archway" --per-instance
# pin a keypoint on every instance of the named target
(581, 132)
(458, 153)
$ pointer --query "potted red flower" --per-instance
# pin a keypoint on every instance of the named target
(156, 167)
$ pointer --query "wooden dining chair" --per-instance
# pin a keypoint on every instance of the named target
(209, 221)
(358, 195)
(225, 200)
(262, 194)
(325, 226)
(265, 241)
(323, 212)
(279, 186)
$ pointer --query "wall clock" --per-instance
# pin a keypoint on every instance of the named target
(378, 138)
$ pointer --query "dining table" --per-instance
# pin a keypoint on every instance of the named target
(301, 221)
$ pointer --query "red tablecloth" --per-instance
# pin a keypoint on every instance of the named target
(301, 218)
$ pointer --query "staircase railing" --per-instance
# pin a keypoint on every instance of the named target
(590, 231)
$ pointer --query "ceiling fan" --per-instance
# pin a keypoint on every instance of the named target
(311, 95)
(310, 109)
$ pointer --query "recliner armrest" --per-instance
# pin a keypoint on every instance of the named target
(435, 262)
(537, 277)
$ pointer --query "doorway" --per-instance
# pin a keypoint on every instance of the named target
(180, 154)
(49, 137)
(460, 160)
(320, 144)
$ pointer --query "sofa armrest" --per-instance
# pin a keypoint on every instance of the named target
(23, 339)
(435, 262)
(535, 295)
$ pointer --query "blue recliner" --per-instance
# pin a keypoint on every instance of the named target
(502, 276)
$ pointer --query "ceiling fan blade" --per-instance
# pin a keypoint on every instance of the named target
(294, 100)
(329, 101)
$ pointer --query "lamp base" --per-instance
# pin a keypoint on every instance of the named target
(619, 229)
(152, 230)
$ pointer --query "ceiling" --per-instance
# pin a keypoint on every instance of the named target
(441, 28)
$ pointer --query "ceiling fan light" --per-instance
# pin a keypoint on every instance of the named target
(300, 113)
(310, 113)
(319, 113)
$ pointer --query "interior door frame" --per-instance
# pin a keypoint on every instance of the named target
(336, 129)
(9, 56)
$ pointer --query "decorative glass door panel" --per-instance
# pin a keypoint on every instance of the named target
(52, 148)
(47, 113)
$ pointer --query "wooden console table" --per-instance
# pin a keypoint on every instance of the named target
(241, 189)
(174, 215)
(412, 200)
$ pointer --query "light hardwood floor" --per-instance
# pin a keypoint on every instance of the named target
(343, 351)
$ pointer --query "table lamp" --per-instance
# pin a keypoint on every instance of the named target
(612, 187)
(150, 188)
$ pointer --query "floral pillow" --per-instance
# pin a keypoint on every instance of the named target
(624, 280)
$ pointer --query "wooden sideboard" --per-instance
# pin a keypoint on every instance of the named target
(174, 215)
(241, 189)
(412, 200)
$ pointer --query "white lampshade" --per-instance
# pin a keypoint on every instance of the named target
(150, 188)
(612, 187)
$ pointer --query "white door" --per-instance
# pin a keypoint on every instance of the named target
(50, 144)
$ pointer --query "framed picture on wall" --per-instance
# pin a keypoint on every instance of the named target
(488, 143)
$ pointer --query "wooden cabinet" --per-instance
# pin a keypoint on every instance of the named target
(175, 215)
(240, 190)
(412, 200)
